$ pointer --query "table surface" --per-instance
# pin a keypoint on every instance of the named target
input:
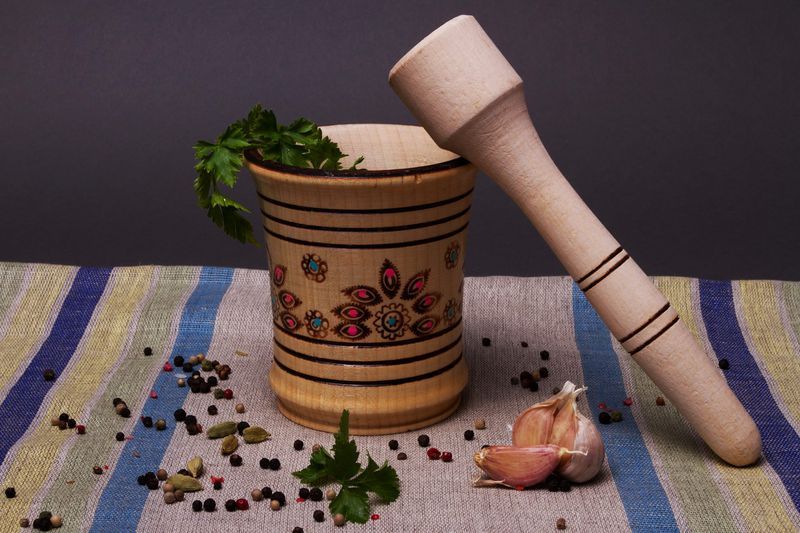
(91, 325)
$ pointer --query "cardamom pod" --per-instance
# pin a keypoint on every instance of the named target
(195, 466)
(229, 444)
(255, 434)
(224, 429)
(185, 483)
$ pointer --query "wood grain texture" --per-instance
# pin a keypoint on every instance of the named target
(367, 274)
(469, 98)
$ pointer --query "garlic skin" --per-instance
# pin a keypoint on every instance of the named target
(535, 424)
(518, 467)
(583, 467)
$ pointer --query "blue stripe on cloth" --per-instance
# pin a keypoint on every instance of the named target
(780, 442)
(643, 497)
(122, 501)
(25, 397)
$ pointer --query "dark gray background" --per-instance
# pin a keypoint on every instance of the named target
(676, 122)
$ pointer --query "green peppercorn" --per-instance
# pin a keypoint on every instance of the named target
(161, 424)
(219, 394)
(616, 416)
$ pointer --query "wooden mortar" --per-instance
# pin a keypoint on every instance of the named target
(471, 101)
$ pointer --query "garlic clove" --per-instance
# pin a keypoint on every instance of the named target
(534, 425)
(565, 424)
(518, 467)
(583, 467)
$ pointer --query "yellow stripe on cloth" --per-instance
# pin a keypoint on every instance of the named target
(33, 318)
(748, 490)
(101, 346)
(761, 314)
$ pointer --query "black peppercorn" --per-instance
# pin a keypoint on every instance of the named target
(230, 505)
(525, 383)
(117, 401)
(543, 372)
(187, 367)
(152, 484)
(71, 423)
(236, 460)
(274, 464)
(147, 422)
(37, 523)
(178, 360)
(192, 429)
(264, 463)
(298, 445)
(125, 412)
(604, 418)
(141, 480)
(545, 355)
(564, 485)
(724, 364)
(148, 351)
(209, 505)
(393, 444)
(297, 529)
(212, 410)
(266, 492)
(303, 493)
(218, 485)
(205, 388)
(524, 344)
(190, 419)
(315, 494)
(280, 497)
(486, 341)
(402, 456)
(212, 381)
(150, 475)
(45, 525)
(534, 386)
(11, 492)
(241, 426)
(49, 374)
(63, 417)
(197, 506)
(424, 440)
(552, 483)
(120, 436)
(180, 415)
(469, 434)
(319, 515)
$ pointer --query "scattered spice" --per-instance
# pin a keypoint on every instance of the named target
(724, 364)
(229, 445)
(241, 353)
(266, 492)
(167, 367)
(97, 470)
(223, 429)
(264, 463)
(433, 454)
(210, 505)
(393, 444)
(544, 372)
(486, 341)
(217, 485)
(197, 506)
(71, 423)
(545, 355)
(660, 401)
(298, 445)
(178, 495)
(120, 436)
(152, 484)
(297, 529)
(319, 515)
(524, 344)
(616, 416)
(604, 418)
(402, 456)
(212, 410)
(339, 520)
(424, 440)
(49, 374)
(447, 457)
(256, 495)
(255, 434)
(148, 351)
(182, 383)
(147, 421)
(124, 412)
(480, 423)
(303, 493)
(169, 498)
(241, 426)
(375, 516)
(230, 505)
(228, 394)
(275, 505)
(24, 522)
(561, 523)
(315, 494)
(80, 429)
(236, 459)
(330, 494)
(184, 483)
(628, 401)
(206, 366)
(242, 504)
(178, 360)
(274, 464)
(62, 425)
(161, 424)
(469, 434)
(534, 386)
(11, 492)
(168, 487)
(153, 394)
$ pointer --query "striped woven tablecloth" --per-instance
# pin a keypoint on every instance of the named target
(91, 325)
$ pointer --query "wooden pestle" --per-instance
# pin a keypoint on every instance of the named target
(471, 101)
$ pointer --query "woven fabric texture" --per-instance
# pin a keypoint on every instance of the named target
(91, 326)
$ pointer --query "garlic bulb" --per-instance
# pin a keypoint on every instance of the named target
(557, 421)
(518, 467)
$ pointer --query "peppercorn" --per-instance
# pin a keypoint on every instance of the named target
(239, 408)
(45, 515)
(275, 505)
(280, 497)
(545, 355)
(49, 374)
(178, 360)
(447, 457)
(190, 419)
(11, 492)
(206, 366)
(230, 505)
(561, 524)
(266, 492)
(616, 416)
(423, 440)
(169, 498)
(54, 421)
(218, 485)
(45, 525)
(71, 423)
(319, 515)
(161, 474)
(62, 425)
(264, 463)
(167, 367)
(480, 423)
(297, 529)
(192, 429)
(604, 418)
(97, 469)
(469, 434)
(218, 394)
(178, 495)
(24, 522)
(242, 504)
(564, 485)
(182, 383)
(147, 422)
(274, 464)
(628, 401)
(37, 523)
(125, 412)
(724, 364)
(256, 495)
(236, 460)
(330, 495)
(212, 381)
(339, 520)
(315, 494)
(180, 415)
(526, 382)
(515, 381)
(197, 506)
(63, 416)
(393, 444)
(119, 407)
(148, 351)
(544, 372)
(228, 393)
(241, 426)
(433, 454)
(534, 386)
(141, 480)
(120, 436)
(524, 344)
(150, 475)
(486, 341)
(209, 505)
(80, 429)
(552, 483)
(303, 493)
(161, 424)
(298, 445)
(402, 456)
(660, 401)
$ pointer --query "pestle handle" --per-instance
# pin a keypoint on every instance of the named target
(471, 101)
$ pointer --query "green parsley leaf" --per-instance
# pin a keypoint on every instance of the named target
(382, 481)
(345, 453)
(353, 503)
(316, 473)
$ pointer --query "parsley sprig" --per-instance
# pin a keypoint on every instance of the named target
(299, 144)
(343, 467)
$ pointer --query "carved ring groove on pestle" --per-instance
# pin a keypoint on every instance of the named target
(597, 274)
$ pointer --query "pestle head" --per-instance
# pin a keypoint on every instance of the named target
(451, 76)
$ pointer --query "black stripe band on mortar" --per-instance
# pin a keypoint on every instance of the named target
(382, 211)
(367, 229)
(414, 340)
(369, 246)
(598, 267)
(384, 362)
(654, 337)
(649, 321)
(380, 383)
(608, 273)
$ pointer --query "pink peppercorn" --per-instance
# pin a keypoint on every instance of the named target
(167, 367)
(153, 394)
(433, 454)
(228, 394)
(628, 401)
(81, 429)
(376, 516)
(242, 504)
(447, 457)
